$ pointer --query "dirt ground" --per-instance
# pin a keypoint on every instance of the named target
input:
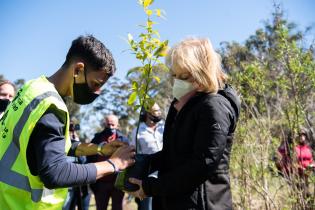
(129, 204)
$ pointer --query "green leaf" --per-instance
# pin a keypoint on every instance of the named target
(158, 12)
(139, 56)
(134, 85)
(157, 79)
(156, 33)
(149, 12)
(140, 2)
(136, 107)
(149, 23)
(161, 51)
(130, 37)
(155, 41)
(147, 3)
(132, 98)
(131, 71)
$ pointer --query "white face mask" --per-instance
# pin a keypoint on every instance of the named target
(181, 88)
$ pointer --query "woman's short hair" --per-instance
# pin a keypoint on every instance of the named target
(197, 56)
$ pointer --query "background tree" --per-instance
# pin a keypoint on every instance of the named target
(19, 83)
(274, 74)
(112, 100)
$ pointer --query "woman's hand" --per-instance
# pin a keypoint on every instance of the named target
(139, 193)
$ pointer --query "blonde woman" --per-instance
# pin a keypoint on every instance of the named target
(194, 162)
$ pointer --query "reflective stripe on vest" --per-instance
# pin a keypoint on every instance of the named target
(13, 178)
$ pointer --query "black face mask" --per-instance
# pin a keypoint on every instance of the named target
(3, 104)
(110, 131)
(82, 93)
(154, 119)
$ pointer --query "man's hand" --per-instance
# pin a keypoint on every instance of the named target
(109, 148)
(123, 157)
(139, 193)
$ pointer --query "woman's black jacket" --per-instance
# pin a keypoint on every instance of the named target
(194, 162)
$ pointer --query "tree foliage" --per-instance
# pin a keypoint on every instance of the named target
(274, 74)
(112, 100)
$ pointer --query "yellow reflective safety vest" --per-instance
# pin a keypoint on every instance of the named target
(19, 189)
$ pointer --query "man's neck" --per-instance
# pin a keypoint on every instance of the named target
(60, 81)
(151, 125)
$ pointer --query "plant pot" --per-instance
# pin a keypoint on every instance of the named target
(139, 170)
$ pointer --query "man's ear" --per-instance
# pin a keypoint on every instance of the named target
(76, 72)
(78, 69)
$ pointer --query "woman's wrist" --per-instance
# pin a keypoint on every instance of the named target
(146, 187)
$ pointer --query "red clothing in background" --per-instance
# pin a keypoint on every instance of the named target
(304, 155)
(285, 162)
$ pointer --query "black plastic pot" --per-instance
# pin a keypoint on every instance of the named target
(139, 170)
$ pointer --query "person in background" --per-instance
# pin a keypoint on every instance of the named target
(305, 162)
(193, 165)
(7, 92)
(296, 157)
(283, 156)
(150, 140)
(104, 188)
(78, 196)
(294, 161)
(303, 152)
(35, 140)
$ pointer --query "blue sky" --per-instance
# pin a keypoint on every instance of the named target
(36, 34)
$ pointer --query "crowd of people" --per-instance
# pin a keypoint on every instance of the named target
(44, 165)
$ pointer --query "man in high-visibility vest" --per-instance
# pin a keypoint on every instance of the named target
(34, 133)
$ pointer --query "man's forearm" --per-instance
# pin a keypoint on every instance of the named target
(86, 149)
(103, 168)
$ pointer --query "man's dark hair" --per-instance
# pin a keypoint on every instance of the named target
(93, 52)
